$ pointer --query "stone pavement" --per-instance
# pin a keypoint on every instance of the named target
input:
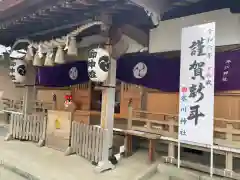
(48, 164)
(9, 175)
(3, 131)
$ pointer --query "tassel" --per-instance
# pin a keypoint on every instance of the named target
(49, 59)
(67, 43)
(72, 47)
(29, 55)
(59, 58)
(37, 61)
(40, 51)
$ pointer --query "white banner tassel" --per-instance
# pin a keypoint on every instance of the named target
(49, 59)
(59, 58)
(72, 47)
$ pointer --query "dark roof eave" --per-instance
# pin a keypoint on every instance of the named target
(26, 28)
(19, 8)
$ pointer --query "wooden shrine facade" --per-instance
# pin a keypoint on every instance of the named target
(87, 98)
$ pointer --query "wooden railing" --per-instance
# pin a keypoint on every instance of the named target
(87, 141)
(17, 105)
(9, 104)
(226, 134)
(28, 127)
(84, 86)
(129, 87)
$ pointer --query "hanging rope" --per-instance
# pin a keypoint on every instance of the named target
(62, 41)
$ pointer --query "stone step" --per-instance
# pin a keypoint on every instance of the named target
(175, 173)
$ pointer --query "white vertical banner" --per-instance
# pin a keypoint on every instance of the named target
(196, 92)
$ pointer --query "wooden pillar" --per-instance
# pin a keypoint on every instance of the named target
(229, 155)
(108, 100)
(29, 99)
(143, 98)
(171, 145)
(108, 93)
(108, 103)
(152, 150)
(30, 90)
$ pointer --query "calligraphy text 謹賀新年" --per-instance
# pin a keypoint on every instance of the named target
(200, 50)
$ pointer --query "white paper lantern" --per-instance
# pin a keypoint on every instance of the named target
(18, 71)
(98, 65)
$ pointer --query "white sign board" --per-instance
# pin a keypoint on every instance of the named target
(196, 93)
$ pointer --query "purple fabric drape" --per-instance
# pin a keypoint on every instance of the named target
(62, 75)
(160, 73)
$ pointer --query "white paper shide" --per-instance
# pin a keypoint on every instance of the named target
(196, 110)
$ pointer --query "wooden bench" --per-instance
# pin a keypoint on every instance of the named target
(128, 138)
(151, 143)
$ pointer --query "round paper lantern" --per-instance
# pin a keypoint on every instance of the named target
(18, 71)
(98, 65)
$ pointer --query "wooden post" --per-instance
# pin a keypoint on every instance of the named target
(108, 103)
(29, 98)
(143, 94)
(171, 145)
(152, 150)
(128, 144)
(130, 111)
(229, 155)
(30, 90)
(108, 99)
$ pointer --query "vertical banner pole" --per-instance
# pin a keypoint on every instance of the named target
(179, 154)
(211, 162)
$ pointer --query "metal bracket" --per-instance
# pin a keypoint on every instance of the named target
(104, 166)
(228, 173)
(154, 17)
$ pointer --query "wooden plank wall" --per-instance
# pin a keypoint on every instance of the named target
(129, 91)
(82, 96)
(226, 104)
(58, 129)
(46, 95)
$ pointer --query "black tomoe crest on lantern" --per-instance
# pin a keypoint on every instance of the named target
(98, 65)
(104, 63)
(18, 71)
(21, 70)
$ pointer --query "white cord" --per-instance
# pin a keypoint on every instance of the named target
(62, 41)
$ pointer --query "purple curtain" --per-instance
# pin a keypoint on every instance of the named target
(149, 70)
(62, 75)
